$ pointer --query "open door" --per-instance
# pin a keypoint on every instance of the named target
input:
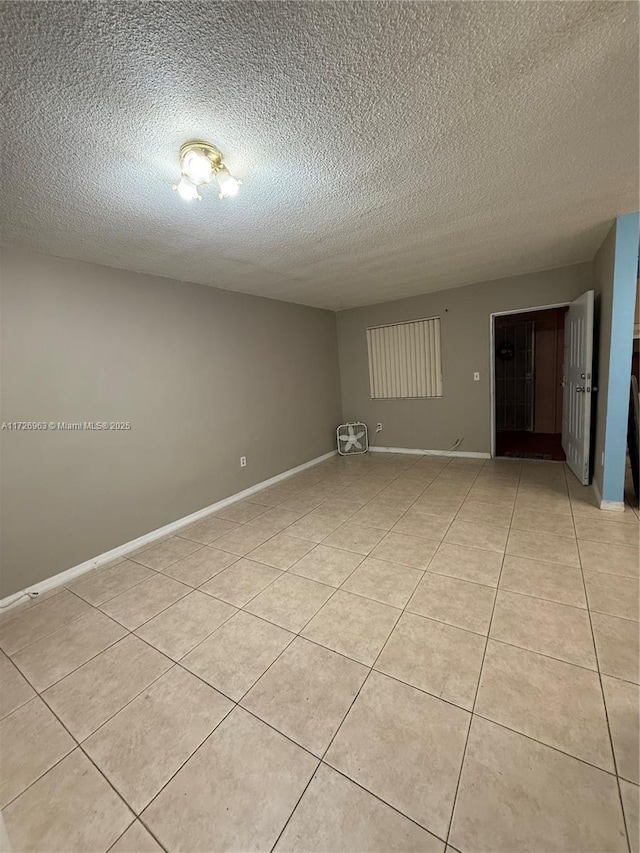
(577, 385)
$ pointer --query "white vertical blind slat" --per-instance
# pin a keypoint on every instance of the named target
(405, 359)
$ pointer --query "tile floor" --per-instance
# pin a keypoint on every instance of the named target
(380, 653)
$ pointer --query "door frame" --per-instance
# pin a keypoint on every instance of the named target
(492, 357)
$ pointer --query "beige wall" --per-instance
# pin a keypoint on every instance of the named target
(603, 285)
(203, 375)
(464, 410)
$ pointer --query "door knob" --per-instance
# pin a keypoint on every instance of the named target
(580, 389)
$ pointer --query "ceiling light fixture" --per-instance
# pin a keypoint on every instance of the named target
(200, 162)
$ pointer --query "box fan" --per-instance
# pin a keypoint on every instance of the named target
(352, 438)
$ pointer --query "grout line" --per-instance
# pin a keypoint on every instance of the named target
(235, 704)
(44, 636)
(604, 701)
(475, 698)
(145, 827)
(77, 746)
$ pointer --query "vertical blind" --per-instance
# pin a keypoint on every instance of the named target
(405, 359)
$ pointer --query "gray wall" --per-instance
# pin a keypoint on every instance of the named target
(465, 410)
(204, 376)
(603, 265)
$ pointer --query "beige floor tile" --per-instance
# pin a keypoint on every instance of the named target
(275, 519)
(277, 494)
(290, 601)
(354, 626)
(327, 565)
(609, 559)
(539, 685)
(51, 658)
(281, 552)
(438, 658)
(32, 742)
(408, 550)
(469, 564)
(543, 522)
(136, 606)
(500, 503)
(551, 701)
(236, 655)
(450, 484)
(337, 508)
(425, 526)
(623, 708)
(244, 768)
(358, 495)
(391, 499)
(557, 630)
(501, 494)
(588, 507)
(631, 803)
(484, 512)
(16, 690)
(200, 566)
(313, 527)
(72, 808)
(617, 646)
(140, 748)
(389, 583)
(405, 747)
(165, 553)
(179, 628)
(353, 537)
(544, 547)
(614, 595)
(241, 512)
(101, 687)
(456, 602)
(100, 585)
(516, 794)
(456, 476)
(303, 502)
(485, 536)
(243, 540)
(556, 504)
(29, 602)
(240, 582)
(136, 840)
(552, 581)
(208, 530)
(306, 693)
(603, 531)
(431, 504)
(380, 517)
(37, 621)
(336, 814)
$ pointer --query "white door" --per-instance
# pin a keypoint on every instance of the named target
(577, 385)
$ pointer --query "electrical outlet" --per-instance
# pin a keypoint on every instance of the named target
(378, 427)
(476, 377)
(243, 461)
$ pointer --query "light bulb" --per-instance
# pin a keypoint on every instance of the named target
(229, 185)
(197, 167)
(186, 189)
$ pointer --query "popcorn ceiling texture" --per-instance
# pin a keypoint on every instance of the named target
(386, 149)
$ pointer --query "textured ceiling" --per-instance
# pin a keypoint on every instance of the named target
(386, 149)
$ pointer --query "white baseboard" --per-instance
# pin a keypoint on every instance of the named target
(606, 506)
(468, 454)
(148, 538)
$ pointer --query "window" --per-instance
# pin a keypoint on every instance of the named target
(405, 360)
